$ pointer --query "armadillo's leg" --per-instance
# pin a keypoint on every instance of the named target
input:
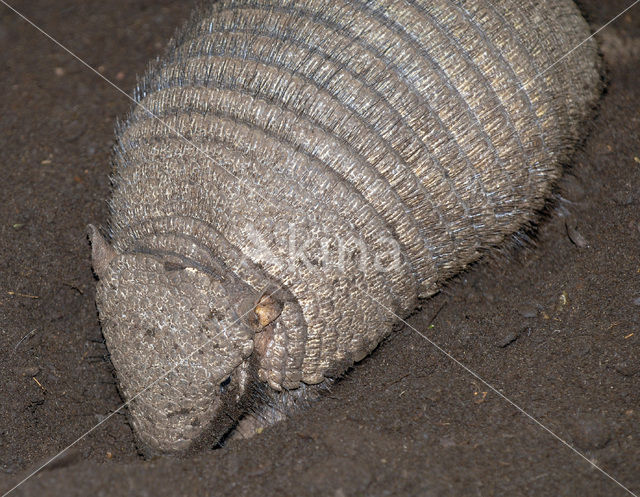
(272, 407)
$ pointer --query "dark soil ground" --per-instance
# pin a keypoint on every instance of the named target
(556, 328)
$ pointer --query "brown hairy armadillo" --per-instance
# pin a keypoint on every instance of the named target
(298, 173)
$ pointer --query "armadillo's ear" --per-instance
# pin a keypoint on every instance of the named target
(101, 252)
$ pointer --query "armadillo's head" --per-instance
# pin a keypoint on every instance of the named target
(181, 341)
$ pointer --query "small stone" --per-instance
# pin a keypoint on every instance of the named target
(59, 71)
(575, 236)
(30, 371)
(528, 312)
(507, 340)
(636, 301)
(627, 368)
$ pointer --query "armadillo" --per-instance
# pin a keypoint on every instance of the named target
(298, 174)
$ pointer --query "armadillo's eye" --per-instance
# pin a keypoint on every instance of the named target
(224, 384)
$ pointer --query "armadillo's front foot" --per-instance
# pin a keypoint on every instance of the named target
(274, 407)
(253, 424)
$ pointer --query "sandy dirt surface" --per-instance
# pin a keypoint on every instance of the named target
(555, 328)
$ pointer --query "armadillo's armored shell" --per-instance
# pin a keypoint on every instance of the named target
(357, 152)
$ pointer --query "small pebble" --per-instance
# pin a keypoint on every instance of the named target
(627, 368)
(528, 312)
(575, 236)
(59, 71)
(30, 371)
(507, 340)
(636, 301)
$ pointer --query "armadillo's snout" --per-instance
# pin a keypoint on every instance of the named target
(179, 346)
(174, 416)
(164, 423)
